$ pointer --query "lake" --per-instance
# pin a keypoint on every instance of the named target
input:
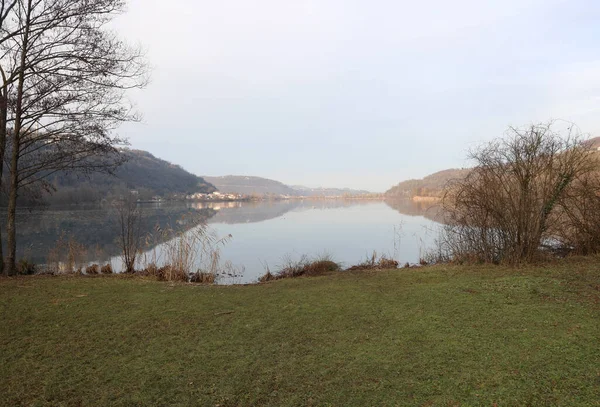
(263, 234)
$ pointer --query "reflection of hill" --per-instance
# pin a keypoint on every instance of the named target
(95, 229)
(249, 212)
(332, 203)
(429, 210)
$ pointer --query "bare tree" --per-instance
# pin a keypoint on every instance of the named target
(579, 212)
(506, 208)
(129, 215)
(6, 8)
(69, 77)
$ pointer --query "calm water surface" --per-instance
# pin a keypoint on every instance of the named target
(263, 233)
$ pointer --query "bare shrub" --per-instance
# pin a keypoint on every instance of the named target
(318, 267)
(438, 253)
(92, 270)
(375, 262)
(304, 266)
(268, 276)
(170, 273)
(150, 270)
(506, 207)
(26, 267)
(67, 255)
(106, 269)
(129, 216)
(203, 278)
(290, 267)
(579, 210)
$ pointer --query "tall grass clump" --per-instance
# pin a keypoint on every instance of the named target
(193, 255)
(375, 262)
(304, 266)
(67, 256)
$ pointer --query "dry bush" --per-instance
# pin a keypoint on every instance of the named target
(203, 278)
(375, 262)
(304, 266)
(26, 267)
(150, 270)
(92, 270)
(319, 267)
(170, 273)
(506, 207)
(268, 276)
(106, 269)
(290, 268)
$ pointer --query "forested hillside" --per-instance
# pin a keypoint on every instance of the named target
(432, 185)
(246, 185)
(142, 172)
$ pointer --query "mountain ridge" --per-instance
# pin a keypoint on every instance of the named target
(253, 185)
(432, 185)
(142, 173)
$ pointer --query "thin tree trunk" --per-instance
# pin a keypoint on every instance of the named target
(3, 120)
(3, 124)
(12, 210)
(14, 162)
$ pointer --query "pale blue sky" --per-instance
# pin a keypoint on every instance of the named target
(359, 94)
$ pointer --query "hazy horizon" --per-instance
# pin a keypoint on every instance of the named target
(355, 94)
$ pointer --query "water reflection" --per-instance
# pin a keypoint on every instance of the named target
(93, 228)
(263, 232)
(247, 212)
(430, 210)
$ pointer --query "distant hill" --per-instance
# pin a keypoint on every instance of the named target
(432, 185)
(306, 191)
(142, 172)
(593, 143)
(246, 185)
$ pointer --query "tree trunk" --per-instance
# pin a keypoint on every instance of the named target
(3, 124)
(14, 162)
(10, 226)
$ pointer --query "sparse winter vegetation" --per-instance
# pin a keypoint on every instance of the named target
(533, 189)
(121, 283)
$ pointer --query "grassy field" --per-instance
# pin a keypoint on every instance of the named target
(441, 336)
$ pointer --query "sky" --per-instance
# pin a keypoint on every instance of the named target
(355, 93)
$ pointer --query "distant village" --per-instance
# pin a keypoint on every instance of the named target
(227, 197)
(233, 197)
(216, 196)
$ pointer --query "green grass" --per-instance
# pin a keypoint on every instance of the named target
(441, 336)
